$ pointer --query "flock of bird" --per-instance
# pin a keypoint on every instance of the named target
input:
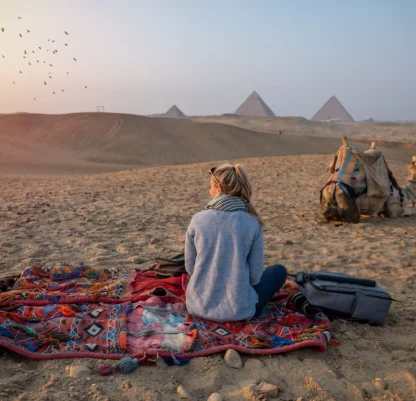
(39, 58)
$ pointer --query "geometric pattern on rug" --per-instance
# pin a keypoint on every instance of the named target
(278, 327)
(66, 330)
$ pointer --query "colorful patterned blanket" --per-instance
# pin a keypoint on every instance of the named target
(113, 314)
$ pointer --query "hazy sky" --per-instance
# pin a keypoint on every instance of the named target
(207, 56)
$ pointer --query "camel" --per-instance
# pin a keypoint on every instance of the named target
(361, 183)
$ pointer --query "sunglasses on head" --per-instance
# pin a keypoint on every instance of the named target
(211, 172)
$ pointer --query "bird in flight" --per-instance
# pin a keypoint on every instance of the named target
(75, 59)
(34, 98)
(14, 82)
(28, 31)
(33, 51)
(2, 29)
(29, 63)
(3, 56)
(63, 90)
(66, 33)
(53, 92)
(51, 65)
(19, 17)
(66, 44)
(25, 52)
(68, 73)
(44, 82)
(39, 48)
(21, 72)
(20, 35)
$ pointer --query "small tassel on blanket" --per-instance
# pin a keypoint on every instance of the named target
(128, 364)
(106, 369)
(6, 298)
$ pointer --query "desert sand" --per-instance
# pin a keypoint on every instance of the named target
(87, 143)
(49, 216)
(299, 126)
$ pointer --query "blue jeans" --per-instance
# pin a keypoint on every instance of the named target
(271, 282)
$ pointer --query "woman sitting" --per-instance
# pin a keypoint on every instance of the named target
(224, 253)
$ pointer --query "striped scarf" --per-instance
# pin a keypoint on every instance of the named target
(227, 203)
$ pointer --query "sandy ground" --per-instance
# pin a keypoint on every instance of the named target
(128, 217)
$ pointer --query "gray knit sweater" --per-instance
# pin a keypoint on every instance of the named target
(225, 257)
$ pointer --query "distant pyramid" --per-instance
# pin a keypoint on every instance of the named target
(174, 112)
(369, 120)
(332, 110)
(254, 106)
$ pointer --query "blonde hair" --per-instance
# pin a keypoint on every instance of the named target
(234, 181)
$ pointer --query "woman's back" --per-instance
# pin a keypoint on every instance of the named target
(224, 255)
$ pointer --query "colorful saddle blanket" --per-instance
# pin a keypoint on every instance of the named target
(347, 169)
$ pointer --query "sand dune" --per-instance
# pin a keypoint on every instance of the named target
(405, 132)
(124, 218)
(34, 144)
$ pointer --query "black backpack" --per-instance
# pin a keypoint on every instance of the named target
(343, 297)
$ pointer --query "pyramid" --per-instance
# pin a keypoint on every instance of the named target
(332, 110)
(174, 112)
(254, 106)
